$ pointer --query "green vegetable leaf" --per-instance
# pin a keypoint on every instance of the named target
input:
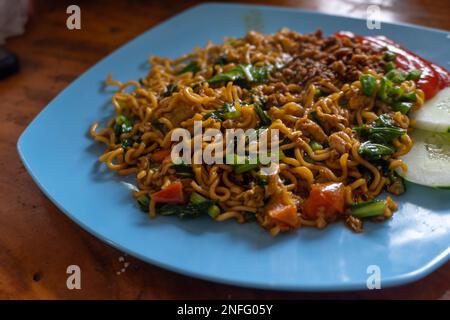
(402, 106)
(192, 66)
(382, 130)
(184, 211)
(374, 151)
(227, 111)
(384, 120)
(263, 116)
(380, 134)
(122, 125)
(245, 73)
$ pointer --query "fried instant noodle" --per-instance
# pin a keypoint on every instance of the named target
(341, 132)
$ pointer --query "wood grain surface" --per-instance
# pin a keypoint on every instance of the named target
(38, 242)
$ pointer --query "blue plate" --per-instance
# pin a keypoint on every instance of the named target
(409, 246)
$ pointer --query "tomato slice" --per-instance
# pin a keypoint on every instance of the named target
(173, 193)
(327, 198)
(286, 214)
(160, 155)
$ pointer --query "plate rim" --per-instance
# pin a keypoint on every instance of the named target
(400, 279)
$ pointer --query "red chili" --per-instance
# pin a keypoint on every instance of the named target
(433, 77)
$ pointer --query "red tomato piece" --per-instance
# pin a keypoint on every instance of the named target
(286, 214)
(327, 198)
(173, 193)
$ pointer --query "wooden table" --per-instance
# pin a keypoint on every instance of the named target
(38, 242)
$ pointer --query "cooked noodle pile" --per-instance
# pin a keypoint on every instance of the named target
(341, 128)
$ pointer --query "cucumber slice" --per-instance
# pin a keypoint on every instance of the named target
(429, 159)
(435, 113)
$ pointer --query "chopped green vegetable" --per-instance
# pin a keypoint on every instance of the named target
(230, 111)
(385, 87)
(368, 209)
(143, 202)
(315, 145)
(215, 115)
(227, 111)
(233, 114)
(388, 92)
(192, 66)
(374, 151)
(389, 66)
(213, 211)
(389, 56)
(122, 125)
(402, 106)
(395, 92)
(263, 117)
(196, 199)
(171, 88)
(368, 84)
(410, 96)
(414, 75)
(396, 75)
